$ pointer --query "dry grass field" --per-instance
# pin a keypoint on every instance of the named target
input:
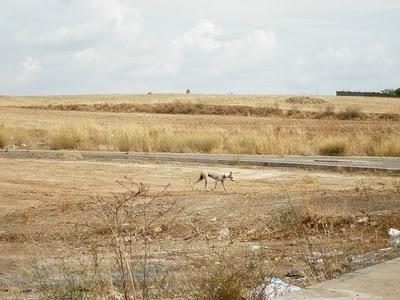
(76, 229)
(303, 226)
(204, 123)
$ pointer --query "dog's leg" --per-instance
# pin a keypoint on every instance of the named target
(198, 180)
(215, 186)
(223, 185)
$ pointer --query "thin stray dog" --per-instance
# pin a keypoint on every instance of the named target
(217, 178)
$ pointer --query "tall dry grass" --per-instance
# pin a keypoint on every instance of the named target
(3, 136)
(268, 140)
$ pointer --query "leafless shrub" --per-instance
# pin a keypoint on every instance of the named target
(229, 278)
(128, 223)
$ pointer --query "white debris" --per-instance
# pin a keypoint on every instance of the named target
(362, 220)
(157, 229)
(224, 233)
(394, 237)
(255, 247)
(272, 288)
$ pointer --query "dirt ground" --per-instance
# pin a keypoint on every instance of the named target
(46, 211)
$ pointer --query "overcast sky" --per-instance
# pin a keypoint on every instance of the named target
(209, 46)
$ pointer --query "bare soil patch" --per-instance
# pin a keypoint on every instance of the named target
(303, 226)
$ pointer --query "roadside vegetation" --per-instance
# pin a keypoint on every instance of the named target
(269, 140)
(304, 241)
(352, 112)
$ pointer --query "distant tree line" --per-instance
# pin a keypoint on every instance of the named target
(391, 93)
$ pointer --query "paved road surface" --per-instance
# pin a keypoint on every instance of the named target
(318, 162)
(381, 281)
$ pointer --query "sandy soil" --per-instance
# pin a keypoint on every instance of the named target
(43, 203)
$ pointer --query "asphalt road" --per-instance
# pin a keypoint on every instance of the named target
(315, 162)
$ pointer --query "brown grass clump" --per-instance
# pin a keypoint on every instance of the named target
(305, 100)
(351, 112)
(3, 136)
(230, 278)
(189, 108)
(67, 137)
(332, 147)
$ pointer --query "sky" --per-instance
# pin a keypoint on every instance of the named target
(244, 47)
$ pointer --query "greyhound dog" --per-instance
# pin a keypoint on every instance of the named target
(216, 177)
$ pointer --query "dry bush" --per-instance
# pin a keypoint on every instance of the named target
(351, 112)
(3, 136)
(73, 281)
(329, 111)
(67, 137)
(134, 139)
(381, 144)
(124, 269)
(332, 147)
(231, 277)
(205, 142)
(301, 222)
(305, 100)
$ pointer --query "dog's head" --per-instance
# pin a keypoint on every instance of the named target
(229, 175)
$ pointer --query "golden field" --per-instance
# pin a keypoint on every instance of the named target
(293, 125)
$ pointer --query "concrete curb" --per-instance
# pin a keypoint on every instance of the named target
(380, 281)
(308, 162)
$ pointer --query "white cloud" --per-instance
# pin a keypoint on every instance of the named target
(204, 48)
(87, 56)
(203, 35)
(30, 67)
(120, 15)
(269, 46)
(344, 68)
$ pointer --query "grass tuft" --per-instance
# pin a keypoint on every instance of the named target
(332, 147)
(68, 137)
(3, 136)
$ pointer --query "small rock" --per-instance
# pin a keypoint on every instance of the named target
(294, 274)
(251, 231)
(157, 229)
(362, 220)
(224, 233)
(214, 220)
(394, 237)
(255, 247)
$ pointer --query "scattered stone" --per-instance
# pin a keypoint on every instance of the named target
(255, 247)
(214, 220)
(157, 229)
(294, 274)
(272, 288)
(394, 237)
(224, 234)
(251, 232)
(363, 220)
